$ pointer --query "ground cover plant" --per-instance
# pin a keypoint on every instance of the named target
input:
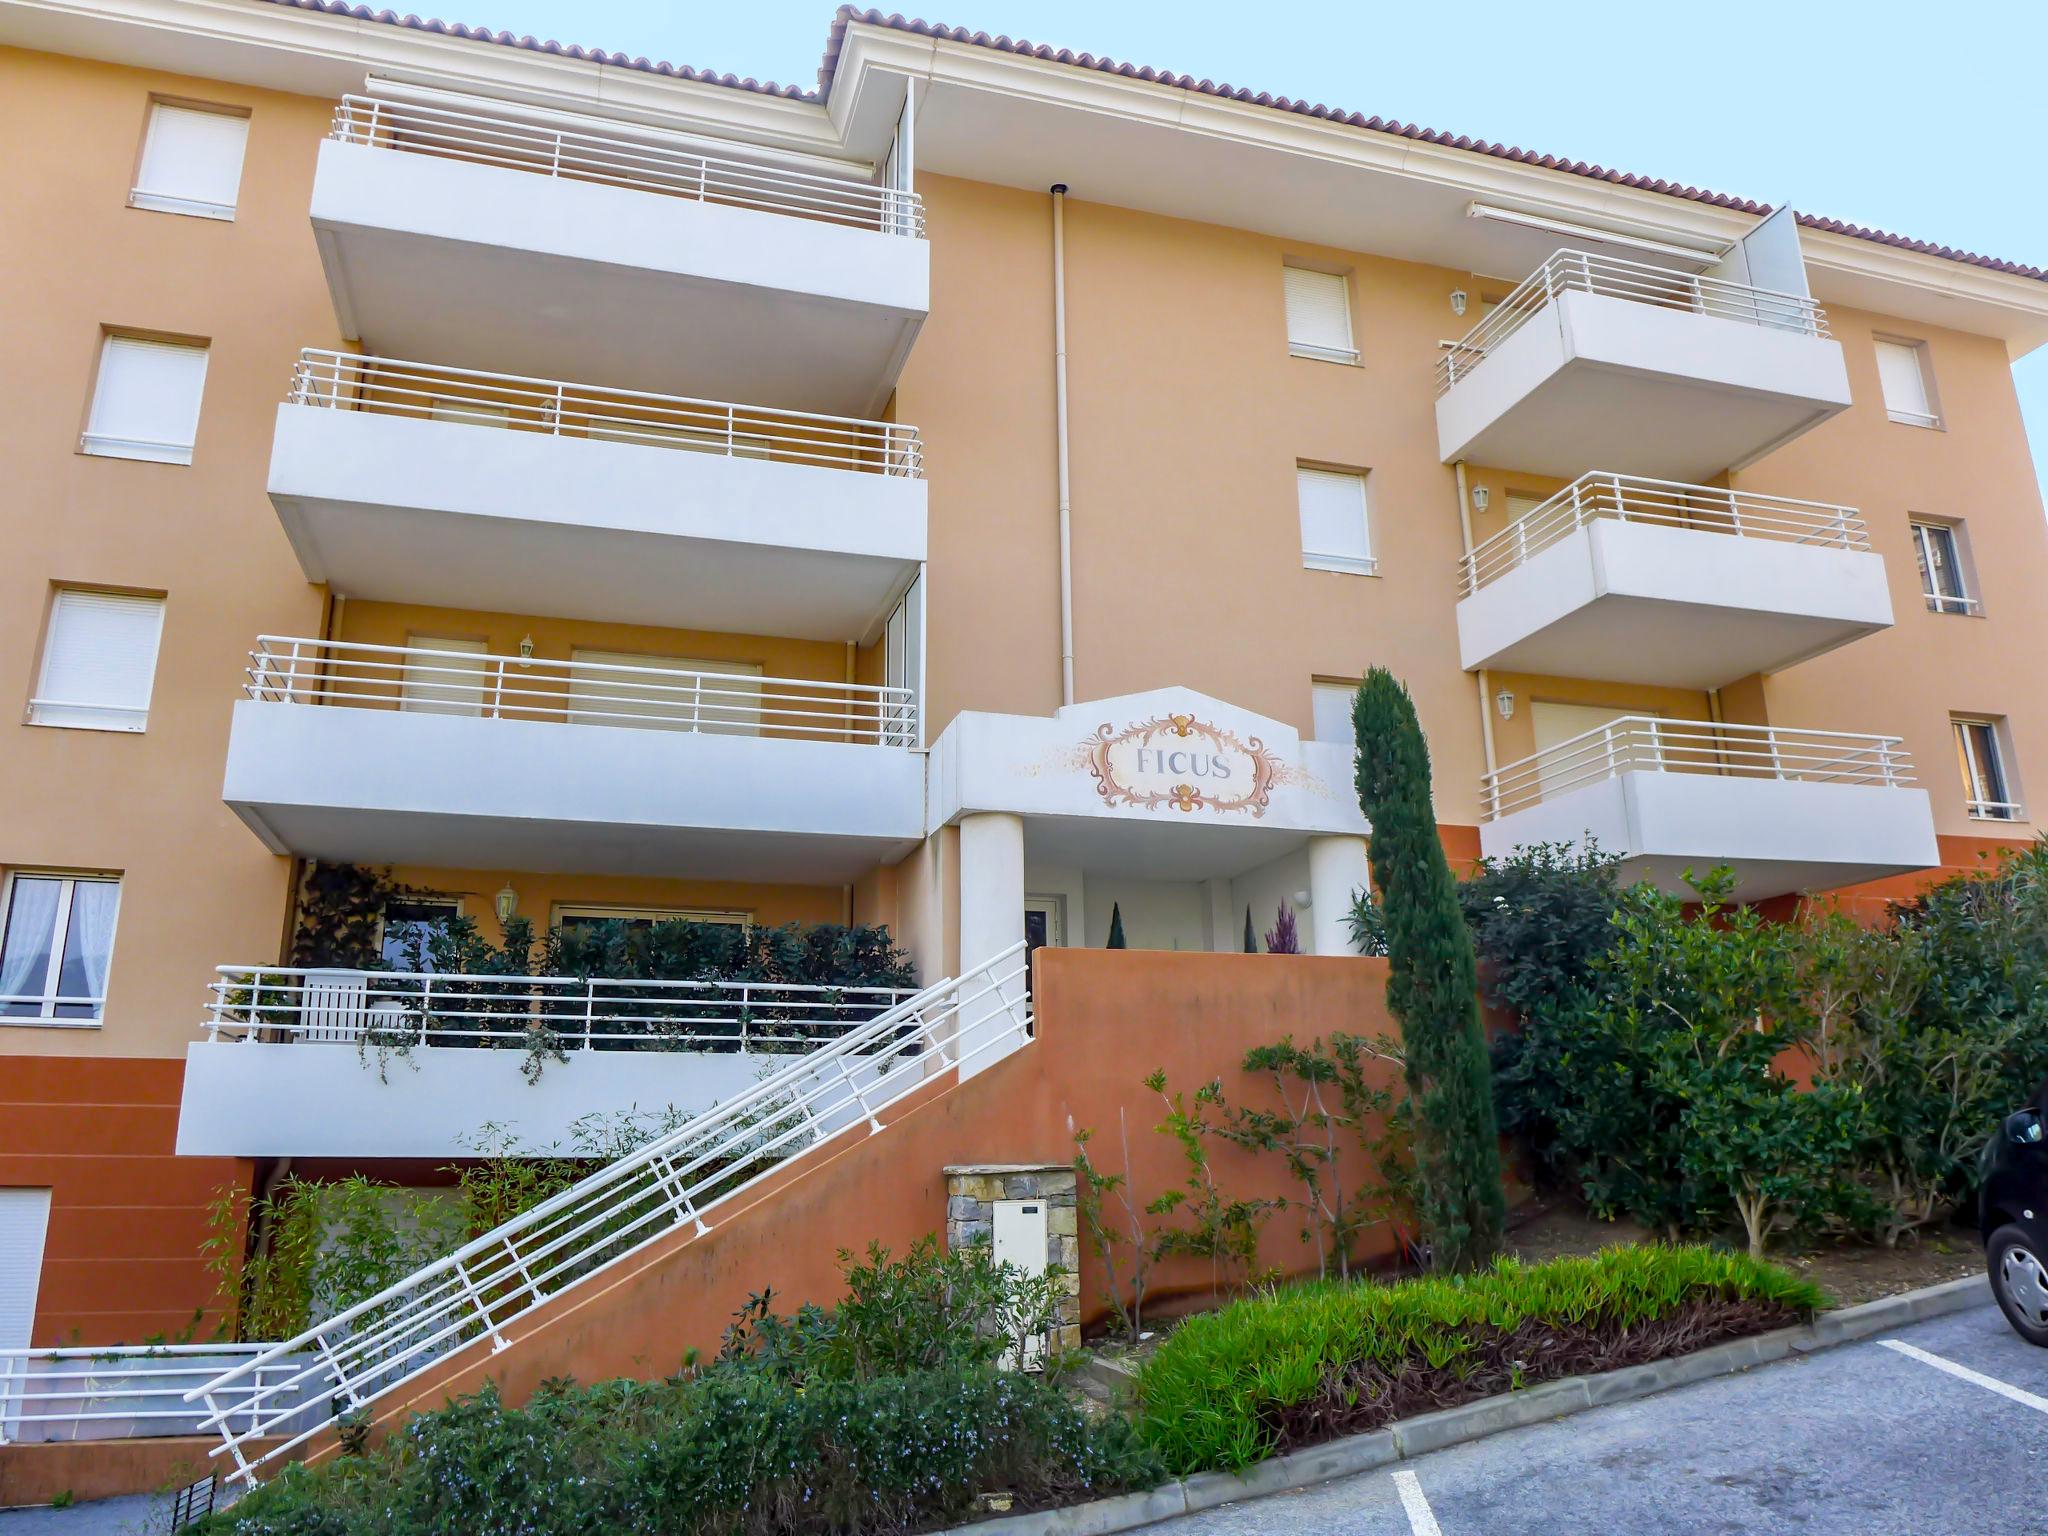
(1274, 1372)
(887, 1413)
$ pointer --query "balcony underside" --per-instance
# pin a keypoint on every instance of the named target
(446, 514)
(376, 786)
(488, 267)
(1671, 607)
(1592, 379)
(1777, 836)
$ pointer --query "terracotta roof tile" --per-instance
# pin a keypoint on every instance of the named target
(847, 14)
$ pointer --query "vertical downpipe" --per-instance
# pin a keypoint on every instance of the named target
(1059, 376)
(1485, 682)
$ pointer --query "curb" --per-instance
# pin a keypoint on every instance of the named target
(1474, 1421)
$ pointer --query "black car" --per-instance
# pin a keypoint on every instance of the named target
(2014, 1219)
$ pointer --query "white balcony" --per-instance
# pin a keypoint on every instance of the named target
(1600, 360)
(1681, 586)
(414, 1064)
(418, 483)
(1786, 810)
(392, 755)
(510, 237)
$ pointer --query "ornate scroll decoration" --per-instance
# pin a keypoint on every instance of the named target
(1181, 762)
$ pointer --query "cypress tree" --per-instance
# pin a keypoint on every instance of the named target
(1433, 986)
(1251, 934)
(1116, 926)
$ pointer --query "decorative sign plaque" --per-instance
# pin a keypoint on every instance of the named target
(1178, 761)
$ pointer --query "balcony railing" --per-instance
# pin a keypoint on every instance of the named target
(429, 392)
(288, 670)
(126, 1391)
(1648, 743)
(641, 165)
(399, 1009)
(1639, 283)
(1664, 504)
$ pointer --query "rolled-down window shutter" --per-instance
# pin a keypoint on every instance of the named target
(146, 402)
(191, 161)
(99, 661)
(1319, 313)
(1334, 532)
(1903, 374)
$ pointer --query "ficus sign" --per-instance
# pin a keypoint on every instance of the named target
(1181, 763)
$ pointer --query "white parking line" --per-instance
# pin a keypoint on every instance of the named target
(1420, 1519)
(1964, 1373)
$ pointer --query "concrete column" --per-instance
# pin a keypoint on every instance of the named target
(1336, 870)
(991, 920)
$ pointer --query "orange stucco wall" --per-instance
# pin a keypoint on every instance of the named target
(1105, 1019)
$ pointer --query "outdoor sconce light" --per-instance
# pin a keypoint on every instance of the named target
(526, 647)
(1480, 497)
(1458, 302)
(1504, 701)
(1303, 899)
(506, 902)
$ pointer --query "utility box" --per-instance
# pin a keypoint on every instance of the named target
(1029, 1215)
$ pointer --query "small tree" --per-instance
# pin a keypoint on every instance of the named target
(1251, 935)
(1116, 927)
(1284, 937)
(1432, 984)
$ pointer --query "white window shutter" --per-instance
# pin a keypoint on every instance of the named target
(24, 1222)
(1334, 532)
(441, 685)
(191, 161)
(1904, 380)
(1333, 713)
(99, 661)
(1318, 313)
(146, 403)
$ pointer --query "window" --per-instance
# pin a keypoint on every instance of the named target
(1335, 535)
(145, 404)
(1332, 713)
(1980, 754)
(191, 161)
(1908, 390)
(99, 661)
(579, 917)
(1942, 579)
(54, 949)
(444, 684)
(1319, 314)
(620, 688)
(410, 925)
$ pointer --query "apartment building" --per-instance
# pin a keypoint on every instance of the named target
(960, 497)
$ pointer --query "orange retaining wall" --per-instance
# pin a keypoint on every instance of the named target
(1106, 1019)
(122, 1259)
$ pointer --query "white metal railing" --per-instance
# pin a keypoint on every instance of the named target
(333, 1006)
(131, 1391)
(1996, 810)
(677, 1182)
(1619, 278)
(1650, 743)
(621, 160)
(511, 402)
(284, 669)
(1665, 504)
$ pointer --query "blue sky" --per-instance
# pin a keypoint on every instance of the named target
(1919, 119)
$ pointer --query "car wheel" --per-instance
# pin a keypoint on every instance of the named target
(2019, 1279)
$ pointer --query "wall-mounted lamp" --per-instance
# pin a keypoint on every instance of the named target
(526, 647)
(1303, 899)
(1480, 497)
(506, 902)
(1458, 302)
(1504, 701)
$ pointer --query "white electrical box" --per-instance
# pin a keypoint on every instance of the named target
(1019, 1239)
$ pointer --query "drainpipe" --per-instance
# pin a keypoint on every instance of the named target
(1059, 377)
(1485, 681)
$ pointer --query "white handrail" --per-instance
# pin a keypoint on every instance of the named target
(1651, 743)
(119, 1391)
(1639, 282)
(301, 670)
(390, 386)
(1662, 503)
(324, 1005)
(675, 1182)
(618, 159)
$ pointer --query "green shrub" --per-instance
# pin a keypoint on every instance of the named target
(1432, 985)
(1215, 1393)
(886, 1414)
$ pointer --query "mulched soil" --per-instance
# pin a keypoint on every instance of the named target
(1366, 1396)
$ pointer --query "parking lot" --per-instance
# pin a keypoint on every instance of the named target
(1862, 1440)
